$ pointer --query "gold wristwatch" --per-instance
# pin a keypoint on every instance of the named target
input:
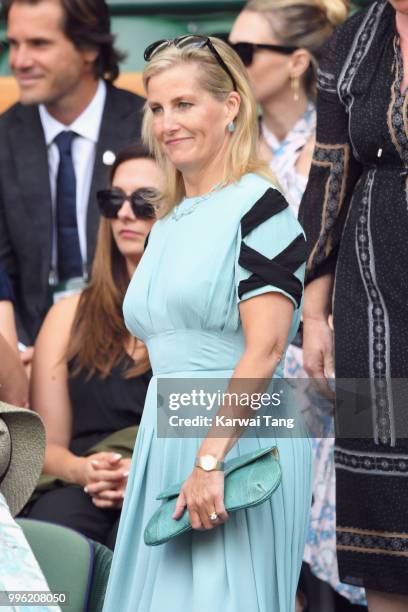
(208, 463)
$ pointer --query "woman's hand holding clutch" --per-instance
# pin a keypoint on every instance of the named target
(203, 496)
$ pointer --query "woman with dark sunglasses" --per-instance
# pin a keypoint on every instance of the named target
(279, 41)
(90, 375)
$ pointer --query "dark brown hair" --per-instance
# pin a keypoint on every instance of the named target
(87, 25)
(98, 335)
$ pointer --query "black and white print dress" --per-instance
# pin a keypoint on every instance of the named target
(355, 214)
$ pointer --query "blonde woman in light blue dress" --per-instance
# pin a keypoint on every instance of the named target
(217, 294)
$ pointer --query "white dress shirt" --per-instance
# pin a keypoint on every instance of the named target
(87, 127)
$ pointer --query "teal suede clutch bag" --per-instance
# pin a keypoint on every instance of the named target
(249, 481)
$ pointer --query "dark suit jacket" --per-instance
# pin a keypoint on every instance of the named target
(6, 292)
(25, 198)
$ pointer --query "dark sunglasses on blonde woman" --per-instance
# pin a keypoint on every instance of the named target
(110, 201)
(197, 40)
(247, 50)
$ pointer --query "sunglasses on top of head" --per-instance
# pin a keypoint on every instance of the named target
(247, 50)
(190, 40)
(110, 201)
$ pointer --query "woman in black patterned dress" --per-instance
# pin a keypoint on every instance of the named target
(355, 213)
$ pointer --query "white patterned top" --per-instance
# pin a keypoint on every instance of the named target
(286, 155)
(19, 568)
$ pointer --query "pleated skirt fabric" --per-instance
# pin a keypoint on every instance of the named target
(250, 564)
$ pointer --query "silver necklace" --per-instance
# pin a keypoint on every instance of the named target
(179, 211)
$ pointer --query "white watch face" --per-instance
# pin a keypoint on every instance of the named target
(207, 462)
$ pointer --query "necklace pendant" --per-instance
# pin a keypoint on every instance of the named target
(176, 215)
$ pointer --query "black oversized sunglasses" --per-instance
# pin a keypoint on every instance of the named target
(246, 50)
(196, 40)
(110, 201)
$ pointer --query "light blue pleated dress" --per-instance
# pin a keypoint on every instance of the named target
(183, 303)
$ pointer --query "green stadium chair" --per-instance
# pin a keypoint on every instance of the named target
(71, 564)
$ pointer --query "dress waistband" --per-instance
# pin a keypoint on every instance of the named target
(191, 350)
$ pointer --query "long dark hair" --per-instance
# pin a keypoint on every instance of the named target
(87, 25)
(98, 334)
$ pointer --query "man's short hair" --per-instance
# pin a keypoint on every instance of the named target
(87, 25)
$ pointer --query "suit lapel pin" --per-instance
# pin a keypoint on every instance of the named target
(108, 158)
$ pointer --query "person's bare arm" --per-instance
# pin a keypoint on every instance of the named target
(317, 334)
(266, 321)
(265, 342)
(49, 389)
(13, 381)
(50, 399)
(9, 332)
(8, 324)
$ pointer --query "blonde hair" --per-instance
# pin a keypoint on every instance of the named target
(242, 152)
(306, 24)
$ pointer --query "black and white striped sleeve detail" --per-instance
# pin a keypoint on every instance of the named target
(272, 250)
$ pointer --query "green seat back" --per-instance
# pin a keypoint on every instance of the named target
(102, 564)
(66, 559)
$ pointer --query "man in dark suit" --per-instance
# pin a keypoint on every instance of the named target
(55, 145)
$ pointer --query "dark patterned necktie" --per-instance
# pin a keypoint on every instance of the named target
(68, 249)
